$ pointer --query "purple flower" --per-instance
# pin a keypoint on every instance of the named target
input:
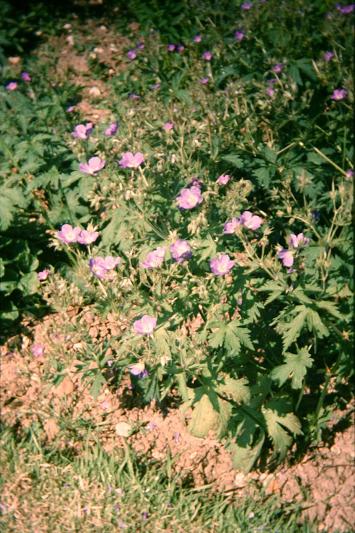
(82, 131)
(345, 10)
(207, 56)
(223, 179)
(171, 47)
(154, 259)
(168, 126)
(278, 68)
(180, 251)
(140, 45)
(180, 48)
(328, 56)
(70, 109)
(246, 6)
(204, 81)
(270, 91)
(197, 38)
(133, 96)
(132, 54)
(25, 76)
(145, 326)
(250, 221)
(195, 182)
(43, 274)
(221, 265)
(101, 267)
(239, 35)
(68, 234)
(299, 240)
(37, 350)
(130, 160)
(286, 256)
(111, 129)
(95, 164)
(139, 370)
(12, 86)
(87, 236)
(339, 94)
(230, 226)
(189, 198)
(349, 174)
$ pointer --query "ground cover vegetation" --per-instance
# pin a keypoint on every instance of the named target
(185, 172)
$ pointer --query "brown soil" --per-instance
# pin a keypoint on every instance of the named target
(322, 483)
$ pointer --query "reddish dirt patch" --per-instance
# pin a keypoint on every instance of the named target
(322, 483)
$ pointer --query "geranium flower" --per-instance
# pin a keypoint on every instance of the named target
(168, 126)
(37, 350)
(111, 129)
(328, 56)
(94, 165)
(101, 267)
(12, 86)
(197, 38)
(82, 131)
(138, 370)
(130, 160)
(87, 236)
(132, 54)
(286, 256)
(239, 35)
(278, 68)
(180, 48)
(26, 77)
(171, 47)
(154, 259)
(43, 274)
(339, 94)
(204, 81)
(221, 265)
(189, 198)
(145, 325)
(246, 6)
(345, 10)
(207, 56)
(180, 251)
(68, 234)
(250, 221)
(296, 241)
(223, 179)
(270, 91)
(230, 226)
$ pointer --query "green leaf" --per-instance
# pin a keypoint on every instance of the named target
(243, 458)
(276, 421)
(291, 330)
(234, 159)
(295, 368)
(205, 418)
(263, 176)
(235, 389)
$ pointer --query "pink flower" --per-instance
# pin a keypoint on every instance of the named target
(246, 6)
(37, 350)
(111, 129)
(68, 234)
(138, 369)
(171, 47)
(180, 251)
(221, 265)
(101, 267)
(278, 68)
(145, 326)
(349, 174)
(168, 126)
(130, 160)
(95, 164)
(132, 54)
(223, 179)
(197, 38)
(204, 81)
(87, 237)
(339, 94)
(286, 256)
(299, 240)
(25, 76)
(231, 226)
(180, 48)
(270, 91)
(239, 35)
(207, 56)
(250, 221)
(43, 274)
(154, 259)
(189, 198)
(12, 86)
(70, 109)
(345, 10)
(328, 56)
(82, 131)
